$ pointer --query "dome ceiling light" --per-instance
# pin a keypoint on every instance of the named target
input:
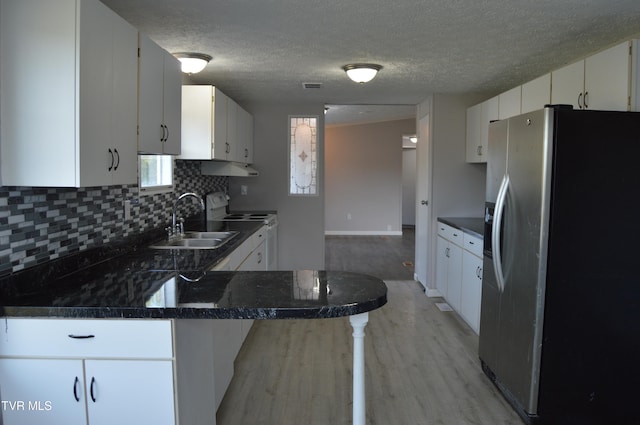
(192, 63)
(362, 72)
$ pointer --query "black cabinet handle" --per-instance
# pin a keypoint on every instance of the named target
(81, 336)
(75, 389)
(118, 157)
(112, 160)
(167, 136)
(93, 382)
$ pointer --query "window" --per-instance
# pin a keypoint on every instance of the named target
(303, 155)
(156, 172)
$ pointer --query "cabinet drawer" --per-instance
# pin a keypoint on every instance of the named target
(86, 338)
(450, 233)
(473, 244)
(259, 237)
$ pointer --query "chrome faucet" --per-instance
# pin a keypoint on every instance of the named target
(174, 229)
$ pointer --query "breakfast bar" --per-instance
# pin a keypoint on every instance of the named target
(195, 294)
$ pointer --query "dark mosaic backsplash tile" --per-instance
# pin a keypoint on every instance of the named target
(42, 224)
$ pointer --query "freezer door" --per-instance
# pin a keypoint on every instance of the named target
(490, 311)
(523, 245)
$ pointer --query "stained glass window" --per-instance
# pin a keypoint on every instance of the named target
(303, 155)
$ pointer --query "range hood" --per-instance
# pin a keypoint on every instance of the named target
(227, 168)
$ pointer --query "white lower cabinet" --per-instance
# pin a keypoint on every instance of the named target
(41, 391)
(67, 391)
(80, 383)
(459, 272)
(471, 290)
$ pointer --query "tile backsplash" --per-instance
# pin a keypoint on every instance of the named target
(42, 224)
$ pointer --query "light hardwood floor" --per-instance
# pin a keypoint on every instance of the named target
(421, 365)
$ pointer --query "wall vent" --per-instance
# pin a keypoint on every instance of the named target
(311, 85)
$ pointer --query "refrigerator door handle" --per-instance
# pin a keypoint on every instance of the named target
(496, 231)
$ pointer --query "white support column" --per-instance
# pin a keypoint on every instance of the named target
(358, 322)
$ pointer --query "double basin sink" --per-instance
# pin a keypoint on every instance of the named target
(197, 240)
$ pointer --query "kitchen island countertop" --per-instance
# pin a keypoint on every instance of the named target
(194, 294)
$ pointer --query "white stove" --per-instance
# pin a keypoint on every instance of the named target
(217, 203)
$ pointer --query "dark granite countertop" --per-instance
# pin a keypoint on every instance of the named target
(195, 294)
(139, 282)
(472, 225)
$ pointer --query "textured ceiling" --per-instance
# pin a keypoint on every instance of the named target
(264, 50)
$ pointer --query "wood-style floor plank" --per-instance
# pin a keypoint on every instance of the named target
(421, 367)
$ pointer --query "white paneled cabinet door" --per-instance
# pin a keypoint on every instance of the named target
(150, 122)
(471, 289)
(568, 85)
(220, 128)
(442, 265)
(130, 392)
(159, 115)
(172, 102)
(536, 94)
(510, 103)
(232, 131)
(474, 133)
(75, 126)
(454, 276)
(606, 79)
(42, 391)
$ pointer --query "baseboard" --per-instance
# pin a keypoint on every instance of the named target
(432, 293)
(362, 233)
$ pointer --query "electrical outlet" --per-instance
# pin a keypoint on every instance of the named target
(348, 216)
(243, 189)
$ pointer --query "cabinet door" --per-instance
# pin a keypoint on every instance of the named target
(125, 102)
(510, 103)
(536, 94)
(50, 391)
(232, 131)
(95, 94)
(471, 290)
(197, 122)
(442, 265)
(474, 133)
(454, 278)
(245, 137)
(130, 392)
(151, 97)
(172, 103)
(490, 112)
(606, 79)
(220, 125)
(567, 85)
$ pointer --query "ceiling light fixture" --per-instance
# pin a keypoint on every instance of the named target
(362, 72)
(192, 63)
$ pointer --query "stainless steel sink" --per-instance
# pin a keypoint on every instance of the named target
(197, 240)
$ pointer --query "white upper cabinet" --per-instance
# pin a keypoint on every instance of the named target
(214, 126)
(601, 81)
(536, 94)
(77, 126)
(204, 123)
(510, 102)
(159, 124)
(478, 119)
(245, 136)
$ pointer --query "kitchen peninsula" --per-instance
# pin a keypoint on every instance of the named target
(121, 332)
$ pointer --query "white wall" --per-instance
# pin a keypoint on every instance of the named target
(301, 219)
(409, 162)
(457, 188)
(364, 177)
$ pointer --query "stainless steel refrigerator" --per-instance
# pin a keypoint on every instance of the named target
(560, 315)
